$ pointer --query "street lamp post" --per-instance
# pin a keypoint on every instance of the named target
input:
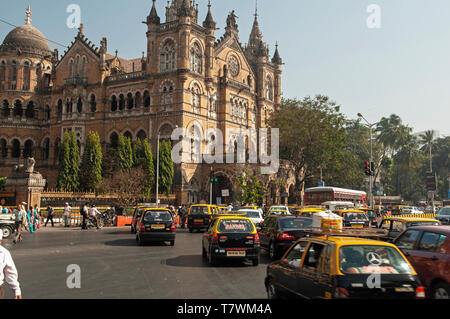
(370, 126)
(157, 171)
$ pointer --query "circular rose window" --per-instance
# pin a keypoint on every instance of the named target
(234, 66)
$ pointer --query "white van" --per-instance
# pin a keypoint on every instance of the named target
(335, 205)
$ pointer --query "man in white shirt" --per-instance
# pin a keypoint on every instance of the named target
(93, 213)
(67, 212)
(8, 272)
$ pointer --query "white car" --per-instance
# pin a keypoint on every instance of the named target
(255, 215)
(411, 210)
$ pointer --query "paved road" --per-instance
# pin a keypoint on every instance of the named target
(113, 266)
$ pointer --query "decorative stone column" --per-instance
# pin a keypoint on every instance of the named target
(26, 183)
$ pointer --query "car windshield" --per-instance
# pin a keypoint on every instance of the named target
(199, 210)
(157, 215)
(235, 226)
(251, 214)
(278, 212)
(355, 216)
(421, 223)
(368, 259)
(444, 211)
(298, 223)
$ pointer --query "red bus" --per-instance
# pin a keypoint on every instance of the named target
(319, 195)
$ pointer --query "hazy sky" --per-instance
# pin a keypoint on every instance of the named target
(402, 67)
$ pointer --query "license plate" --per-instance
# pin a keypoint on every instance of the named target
(357, 226)
(158, 226)
(198, 220)
(239, 253)
(404, 289)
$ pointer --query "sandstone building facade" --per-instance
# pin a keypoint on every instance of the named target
(189, 77)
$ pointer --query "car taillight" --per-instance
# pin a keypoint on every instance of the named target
(341, 293)
(223, 238)
(142, 227)
(420, 292)
(286, 236)
(257, 241)
(215, 238)
(172, 228)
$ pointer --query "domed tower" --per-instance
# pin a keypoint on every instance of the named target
(25, 77)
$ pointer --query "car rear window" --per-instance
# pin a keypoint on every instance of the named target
(355, 216)
(444, 211)
(157, 216)
(421, 223)
(252, 215)
(235, 226)
(368, 259)
(199, 210)
(298, 223)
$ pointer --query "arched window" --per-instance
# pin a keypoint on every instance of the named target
(18, 109)
(29, 112)
(167, 96)
(269, 88)
(15, 151)
(46, 149)
(57, 148)
(114, 140)
(2, 74)
(83, 66)
(113, 103)
(138, 100)
(196, 58)
(93, 104)
(69, 105)
(13, 75)
(196, 98)
(26, 77)
(146, 99)
(38, 74)
(130, 101)
(3, 148)
(121, 102)
(141, 135)
(71, 74)
(28, 149)
(128, 135)
(59, 108)
(79, 105)
(76, 66)
(5, 108)
(47, 112)
(167, 57)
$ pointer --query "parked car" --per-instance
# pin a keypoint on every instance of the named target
(443, 215)
(156, 224)
(354, 218)
(7, 225)
(137, 216)
(199, 216)
(342, 267)
(278, 233)
(396, 225)
(428, 250)
(231, 237)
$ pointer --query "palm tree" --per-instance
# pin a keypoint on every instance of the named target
(428, 140)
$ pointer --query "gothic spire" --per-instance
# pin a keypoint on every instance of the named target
(28, 15)
(153, 16)
(209, 21)
(276, 57)
(256, 34)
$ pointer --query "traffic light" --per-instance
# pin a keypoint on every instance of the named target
(213, 179)
(372, 168)
(367, 169)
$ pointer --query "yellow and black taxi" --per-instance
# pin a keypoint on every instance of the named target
(137, 215)
(308, 211)
(334, 267)
(397, 225)
(231, 237)
(156, 224)
(199, 216)
(354, 218)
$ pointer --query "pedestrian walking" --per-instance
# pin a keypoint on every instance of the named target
(8, 272)
(183, 216)
(30, 221)
(3, 209)
(37, 217)
(84, 211)
(50, 213)
(21, 222)
(67, 213)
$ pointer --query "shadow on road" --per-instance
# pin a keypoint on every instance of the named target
(122, 242)
(196, 261)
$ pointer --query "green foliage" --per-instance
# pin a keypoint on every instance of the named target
(69, 164)
(2, 183)
(125, 153)
(143, 158)
(166, 170)
(251, 190)
(91, 164)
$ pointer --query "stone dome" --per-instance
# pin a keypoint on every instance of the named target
(28, 40)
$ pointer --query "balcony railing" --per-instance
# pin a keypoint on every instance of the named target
(76, 81)
(126, 76)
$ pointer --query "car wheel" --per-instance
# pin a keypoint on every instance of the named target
(190, 230)
(272, 251)
(272, 292)
(212, 260)
(440, 291)
(172, 243)
(6, 232)
(204, 254)
(255, 262)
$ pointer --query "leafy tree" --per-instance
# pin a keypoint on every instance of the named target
(2, 183)
(312, 135)
(125, 153)
(69, 161)
(428, 140)
(166, 170)
(91, 164)
(251, 188)
(143, 158)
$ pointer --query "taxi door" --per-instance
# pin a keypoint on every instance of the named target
(314, 276)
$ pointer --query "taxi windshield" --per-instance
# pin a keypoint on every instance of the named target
(297, 223)
(199, 210)
(157, 215)
(278, 212)
(353, 216)
(235, 226)
(251, 214)
(368, 259)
